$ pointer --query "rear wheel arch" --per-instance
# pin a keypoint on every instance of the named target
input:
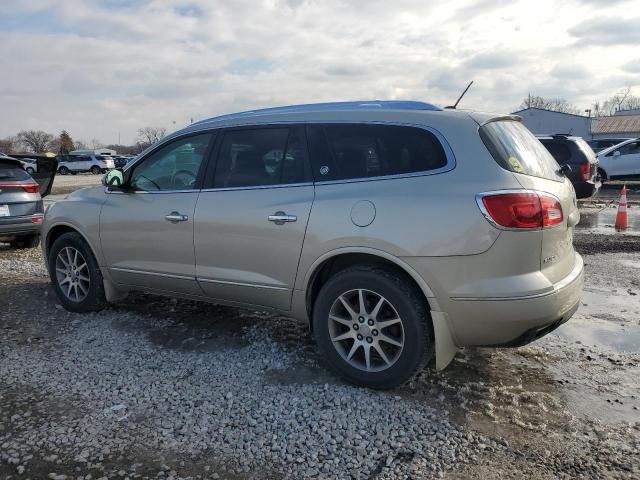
(333, 262)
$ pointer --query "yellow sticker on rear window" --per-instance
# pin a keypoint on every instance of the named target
(515, 164)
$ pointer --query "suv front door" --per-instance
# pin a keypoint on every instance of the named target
(252, 215)
(146, 231)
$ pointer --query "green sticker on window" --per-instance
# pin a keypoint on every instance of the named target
(515, 165)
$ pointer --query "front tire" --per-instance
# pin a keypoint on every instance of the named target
(30, 170)
(373, 327)
(63, 170)
(75, 274)
(27, 241)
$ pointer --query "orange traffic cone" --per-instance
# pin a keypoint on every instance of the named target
(621, 217)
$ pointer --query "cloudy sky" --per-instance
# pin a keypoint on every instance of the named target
(100, 67)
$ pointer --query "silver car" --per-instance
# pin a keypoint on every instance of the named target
(398, 231)
(21, 207)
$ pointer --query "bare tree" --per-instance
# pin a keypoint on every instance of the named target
(79, 145)
(95, 143)
(147, 136)
(8, 145)
(623, 100)
(554, 104)
(35, 140)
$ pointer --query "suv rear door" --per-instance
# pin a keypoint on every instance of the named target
(516, 149)
(251, 217)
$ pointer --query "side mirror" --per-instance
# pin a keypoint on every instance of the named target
(113, 179)
(616, 153)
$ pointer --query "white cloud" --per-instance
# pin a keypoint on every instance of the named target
(99, 67)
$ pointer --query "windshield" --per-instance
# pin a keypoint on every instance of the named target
(516, 149)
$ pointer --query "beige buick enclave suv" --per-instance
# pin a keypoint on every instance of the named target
(398, 230)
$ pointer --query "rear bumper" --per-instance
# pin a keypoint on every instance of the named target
(11, 227)
(516, 320)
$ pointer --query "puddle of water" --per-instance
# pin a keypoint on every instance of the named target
(602, 334)
(603, 220)
(618, 307)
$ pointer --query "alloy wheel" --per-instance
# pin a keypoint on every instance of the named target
(366, 330)
(72, 274)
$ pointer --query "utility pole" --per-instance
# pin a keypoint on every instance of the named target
(588, 110)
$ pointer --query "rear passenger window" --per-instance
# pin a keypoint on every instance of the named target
(350, 151)
(261, 156)
(560, 151)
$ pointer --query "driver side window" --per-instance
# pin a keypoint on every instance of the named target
(173, 167)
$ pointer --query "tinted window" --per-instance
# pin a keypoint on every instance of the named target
(560, 151)
(632, 148)
(516, 149)
(261, 156)
(174, 167)
(359, 151)
(10, 171)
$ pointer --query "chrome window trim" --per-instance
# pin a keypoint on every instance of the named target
(240, 284)
(258, 187)
(448, 151)
(108, 191)
(144, 272)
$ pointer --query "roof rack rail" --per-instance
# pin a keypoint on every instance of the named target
(315, 107)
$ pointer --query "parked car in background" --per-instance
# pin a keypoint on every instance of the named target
(602, 143)
(621, 160)
(21, 206)
(93, 163)
(575, 152)
(398, 230)
(121, 161)
(30, 165)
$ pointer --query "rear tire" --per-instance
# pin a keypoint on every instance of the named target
(75, 274)
(603, 175)
(63, 170)
(398, 334)
(27, 241)
(96, 170)
(30, 170)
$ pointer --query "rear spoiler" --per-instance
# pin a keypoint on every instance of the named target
(500, 118)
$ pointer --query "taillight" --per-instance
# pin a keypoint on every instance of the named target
(521, 210)
(585, 171)
(27, 187)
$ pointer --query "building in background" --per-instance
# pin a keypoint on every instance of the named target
(623, 124)
(543, 122)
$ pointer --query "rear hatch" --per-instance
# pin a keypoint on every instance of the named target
(19, 193)
(516, 149)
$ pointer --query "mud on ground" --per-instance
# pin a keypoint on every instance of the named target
(566, 406)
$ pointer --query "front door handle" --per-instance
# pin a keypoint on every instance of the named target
(280, 218)
(175, 217)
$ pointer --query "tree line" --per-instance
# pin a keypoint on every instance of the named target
(39, 141)
(623, 100)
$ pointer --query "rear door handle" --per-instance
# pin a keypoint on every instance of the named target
(175, 217)
(280, 218)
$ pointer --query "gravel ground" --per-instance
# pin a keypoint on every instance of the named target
(165, 388)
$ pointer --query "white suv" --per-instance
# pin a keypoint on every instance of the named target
(93, 163)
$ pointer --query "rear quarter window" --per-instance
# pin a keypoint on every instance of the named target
(353, 151)
(516, 149)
